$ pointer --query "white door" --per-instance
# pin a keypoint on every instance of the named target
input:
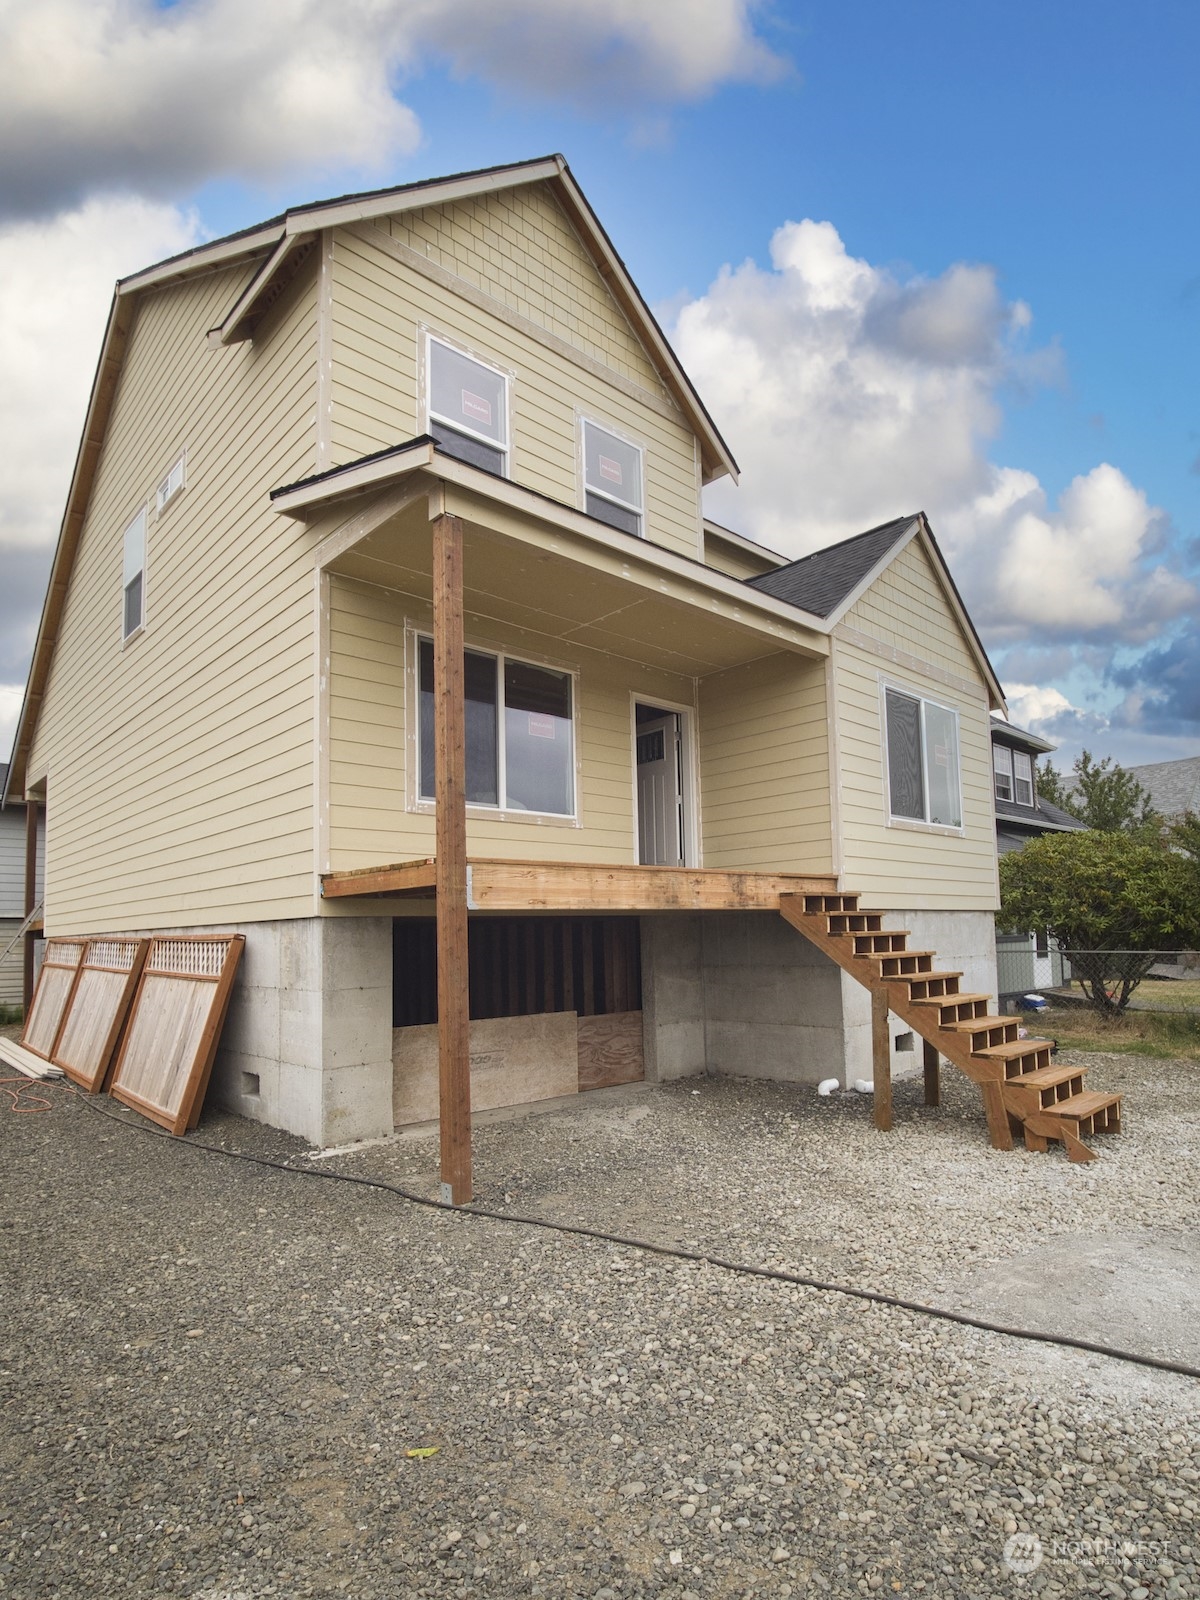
(660, 792)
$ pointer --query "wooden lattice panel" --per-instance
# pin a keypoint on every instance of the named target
(167, 1053)
(104, 989)
(56, 981)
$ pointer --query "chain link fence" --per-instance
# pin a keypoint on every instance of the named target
(1103, 980)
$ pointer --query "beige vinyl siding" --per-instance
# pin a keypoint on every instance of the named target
(764, 766)
(180, 766)
(908, 866)
(369, 784)
(381, 308)
(907, 608)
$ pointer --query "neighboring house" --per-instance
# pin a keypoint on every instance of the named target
(324, 455)
(1025, 962)
(12, 893)
(1173, 786)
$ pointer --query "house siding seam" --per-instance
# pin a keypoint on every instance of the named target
(180, 765)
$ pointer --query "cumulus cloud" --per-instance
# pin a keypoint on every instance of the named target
(851, 395)
(133, 95)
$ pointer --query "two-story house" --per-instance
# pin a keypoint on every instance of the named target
(385, 627)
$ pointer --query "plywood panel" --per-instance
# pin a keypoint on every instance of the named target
(60, 969)
(514, 1060)
(610, 1050)
(108, 977)
(168, 1050)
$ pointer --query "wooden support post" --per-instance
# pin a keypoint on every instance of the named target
(450, 786)
(31, 833)
(881, 1059)
(933, 1075)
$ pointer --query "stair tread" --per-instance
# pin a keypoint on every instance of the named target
(955, 1000)
(973, 1024)
(1017, 1047)
(1045, 1077)
(1082, 1105)
(920, 977)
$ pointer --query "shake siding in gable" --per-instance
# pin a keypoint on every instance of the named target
(179, 766)
(382, 304)
(369, 754)
(764, 766)
(907, 867)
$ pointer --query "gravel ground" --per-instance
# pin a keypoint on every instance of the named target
(211, 1373)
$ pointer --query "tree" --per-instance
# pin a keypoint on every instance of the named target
(1102, 795)
(1112, 900)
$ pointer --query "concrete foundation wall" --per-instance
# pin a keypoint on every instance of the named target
(307, 1044)
(744, 993)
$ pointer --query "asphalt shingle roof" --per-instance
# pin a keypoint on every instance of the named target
(820, 582)
(1173, 786)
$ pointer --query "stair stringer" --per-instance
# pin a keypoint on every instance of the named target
(989, 1075)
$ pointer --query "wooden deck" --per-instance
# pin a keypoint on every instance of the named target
(576, 886)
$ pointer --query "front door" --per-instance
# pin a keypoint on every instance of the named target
(661, 831)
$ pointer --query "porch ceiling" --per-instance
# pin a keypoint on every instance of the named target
(554, 585)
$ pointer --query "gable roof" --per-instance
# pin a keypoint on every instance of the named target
(1004, 732)
(820, 582)
(829, 581)
(279, 242)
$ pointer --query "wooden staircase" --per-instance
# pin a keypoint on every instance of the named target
(1021, 1089)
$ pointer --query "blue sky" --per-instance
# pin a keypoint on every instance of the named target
(1013, 239)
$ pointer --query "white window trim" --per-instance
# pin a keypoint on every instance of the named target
(585, 419)
(1021, 755)
(428, 339)
(143, 511)
(914, 824)
(1003, 752)
(418, 802)
(161, 501)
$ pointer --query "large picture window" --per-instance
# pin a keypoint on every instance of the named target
(612, 478)
(520, 733)
(922, 761)
(468, 408)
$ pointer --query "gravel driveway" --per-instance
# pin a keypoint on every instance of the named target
(211, 1373)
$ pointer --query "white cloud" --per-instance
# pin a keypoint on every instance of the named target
(56, 282)
(11, 695)
(131, 95)
(850, 396)
(1027, 703)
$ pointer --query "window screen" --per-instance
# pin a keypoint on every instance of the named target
(468, 408)
(612, 479)
(134, 575)
(941, 765)
(904, 756)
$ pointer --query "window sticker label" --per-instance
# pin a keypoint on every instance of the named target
(540, 726)
(611, 470)
(476, 407)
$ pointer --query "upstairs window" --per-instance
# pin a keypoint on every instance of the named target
(1023, 778)
(468, 408)
(612, 479)
(134, 579)
(171, 484)
(1013, 771)
(520, 733)
(1002, 771)
(922, 761)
